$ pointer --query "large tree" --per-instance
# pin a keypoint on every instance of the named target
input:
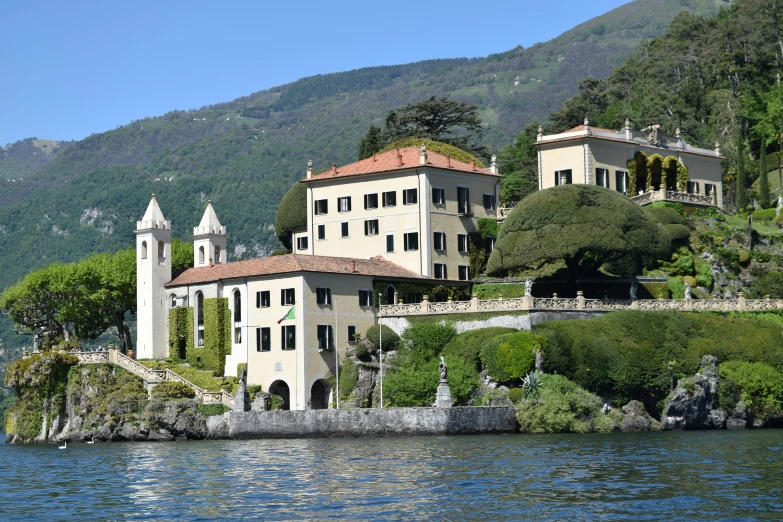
(436, 118)
(763, 178)
(742, 181)
(519, 165)
(582, 226)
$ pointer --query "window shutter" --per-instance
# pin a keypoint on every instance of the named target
(568, 177)
(557, 178)
(258, 299)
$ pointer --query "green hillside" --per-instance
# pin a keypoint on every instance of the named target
(245, 154)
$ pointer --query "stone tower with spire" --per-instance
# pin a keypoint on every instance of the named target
(209, 240)
(153, 271)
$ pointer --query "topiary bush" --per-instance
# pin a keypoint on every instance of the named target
(678, 233)
(690, 280)
(666, 215)
(743, 257)
(676, 287)
(390, 338)
(512, 357)
(291, 213)
(583, 226)
(515, 395)
(426, 340)
(173, 390)
(467, 345)
(562, 406)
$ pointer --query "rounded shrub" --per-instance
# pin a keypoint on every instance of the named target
(582, 225)
(173, 390)
(760, 387)
(291, 213)
(666, 215)
(744, 257)
(515, 394)
(427, 340)
(389, 337)
(468, 345)
(512, 357)
(690, 280)
(678, 232)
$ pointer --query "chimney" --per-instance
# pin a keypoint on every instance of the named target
(494, 165)
(334, 168)
(309, 169)
(423, 155)
(210, 262)
(628, 129)
(399, 158)
(352, 266)
(717, 148)
(540, 133)
(472, 164)
(448, 161)
(373, 157)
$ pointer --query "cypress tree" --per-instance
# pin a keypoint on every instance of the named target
(742, 183)
(763, 180)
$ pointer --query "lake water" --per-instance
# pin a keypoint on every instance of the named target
(649, 476)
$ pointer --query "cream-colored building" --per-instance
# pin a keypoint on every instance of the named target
(413, 206)
(594, 156)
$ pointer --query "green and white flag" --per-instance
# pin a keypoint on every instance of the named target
(288, 315)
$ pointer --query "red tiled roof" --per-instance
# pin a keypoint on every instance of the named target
(387, 162)
(289, 263)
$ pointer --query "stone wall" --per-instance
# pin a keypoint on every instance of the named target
(377, 422)
(519, 322)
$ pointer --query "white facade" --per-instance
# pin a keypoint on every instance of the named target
(209, 240)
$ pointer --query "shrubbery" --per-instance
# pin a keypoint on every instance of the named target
(666, 215)
(411, 382)
(390, 338)
(562, 407)
(291, 213)
(512, 357)
(173, 390)
(468, 345)
(759, 385)
(426, 340)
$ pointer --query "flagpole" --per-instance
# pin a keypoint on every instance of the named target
(380, 345)
(336, 359)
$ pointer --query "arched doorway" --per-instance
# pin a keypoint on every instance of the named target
(280, 388)
(391, 295)
(319, 395)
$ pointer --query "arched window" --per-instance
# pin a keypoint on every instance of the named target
(217, 254)
(200, 318)
(161, 250)
(237, 306)
(144, 250)
(173, 301)
(201, 255)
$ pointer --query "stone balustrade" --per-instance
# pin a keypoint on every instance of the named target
(576, 304)
(675, 196)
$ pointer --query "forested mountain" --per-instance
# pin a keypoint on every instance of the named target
(245, 154)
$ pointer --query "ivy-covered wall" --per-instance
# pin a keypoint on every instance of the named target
(180, 327)
(217, 337)
(403, 289)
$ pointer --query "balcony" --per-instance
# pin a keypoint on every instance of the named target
(676, 197)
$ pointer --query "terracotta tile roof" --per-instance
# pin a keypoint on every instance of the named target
(290, 263)
(388, 162)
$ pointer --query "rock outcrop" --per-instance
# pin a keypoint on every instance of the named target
(693, 405)
(636, 418)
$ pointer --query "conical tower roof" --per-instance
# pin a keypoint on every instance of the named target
(210, 224)
(153, 217)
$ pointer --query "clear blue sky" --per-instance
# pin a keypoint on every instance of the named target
(73, 68)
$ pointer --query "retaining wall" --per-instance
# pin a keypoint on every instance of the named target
(375, 421)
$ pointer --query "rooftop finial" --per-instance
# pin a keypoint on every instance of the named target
(627, 123)
(309, 169)
(153, 195)
(677, 132)
(494, 165)
(587, 122)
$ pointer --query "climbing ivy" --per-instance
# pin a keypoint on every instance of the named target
(217, 336)
(651, 161)
(180, 327)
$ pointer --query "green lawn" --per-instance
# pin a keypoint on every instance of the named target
(764, 230)
(203, 379)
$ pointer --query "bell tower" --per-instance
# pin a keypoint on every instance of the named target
(209, 240)
(153, 271)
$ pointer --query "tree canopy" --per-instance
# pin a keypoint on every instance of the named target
(291, 213)
(584, 226)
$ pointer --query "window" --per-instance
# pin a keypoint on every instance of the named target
(414, 297)
(325, 337)
(439, 241)
(602, 177)
(263, 339)
(287, 296)
(301, 243)
(262, 299)
(464, 273)
(390, 199)
(321, 231)
(144, 250)
(200, 318)
(693, 187)
(288, 337)
(489, 244)
(323, 296)
(563, 177)
(390, 243)
(409, 197)
(621, 181)
(238, 335)
(462, 243)
(371, 227)
(489, 201)
(411, 241)
(440, 271)
(344, 204)
(438, 196)
(463, 201)
(365, 297)
(161, 249)
(173, 301)
(709, 189)
(237, 306)
(370, 201)
(321, 207)
(201, 255)
(351, 333)
(344, 229)
(217, 254)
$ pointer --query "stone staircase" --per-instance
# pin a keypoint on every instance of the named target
(152, 377)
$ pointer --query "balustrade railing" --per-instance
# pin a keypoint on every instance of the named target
(675, 196)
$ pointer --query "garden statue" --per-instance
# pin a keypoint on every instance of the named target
(687, 290)
(528, 287)
(243, 377)
(444, 370)
(634, 286)
(780, 205)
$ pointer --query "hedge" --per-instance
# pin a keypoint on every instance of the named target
(173, 390)
(291, 213)
(467, 345)
(390, 338)
(666, 215)
(180, 327)
(495, 290)
(512, 357)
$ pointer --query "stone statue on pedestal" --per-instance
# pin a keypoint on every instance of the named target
(528, 287)
(634, 287)
(444, 370)
(687, 290)
(242, 398)
(443, 397)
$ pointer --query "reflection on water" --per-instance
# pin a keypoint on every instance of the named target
(654, 476)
